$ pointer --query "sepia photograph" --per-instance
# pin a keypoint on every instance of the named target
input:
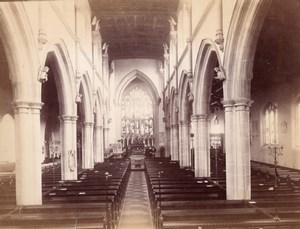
(149, 114)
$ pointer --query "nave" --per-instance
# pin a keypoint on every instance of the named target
(163, 196)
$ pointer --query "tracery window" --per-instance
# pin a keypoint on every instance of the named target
(270, 124)
(137, 114)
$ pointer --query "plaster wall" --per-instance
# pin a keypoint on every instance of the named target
(284, 96)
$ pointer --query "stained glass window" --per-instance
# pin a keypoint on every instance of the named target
(137, 113)
(270, 124)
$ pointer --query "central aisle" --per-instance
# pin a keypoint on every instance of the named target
(136, 211)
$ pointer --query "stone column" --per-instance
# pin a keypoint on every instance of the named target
(175, 142)
(168, 143)
(28, 153)
(194, 140)
(180, 129)
(69, 154)
(171, 141)
(229, 148)
(241, 163)
(105, 132)
(98, 149)
(204, 149)
(87, 150)
(186, 143)
(237, 149)
(74, 143)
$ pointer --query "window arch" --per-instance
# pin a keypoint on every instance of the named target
(270, 124)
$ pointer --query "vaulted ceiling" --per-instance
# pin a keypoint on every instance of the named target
(135, 28)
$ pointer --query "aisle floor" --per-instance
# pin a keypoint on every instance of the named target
(136, 209)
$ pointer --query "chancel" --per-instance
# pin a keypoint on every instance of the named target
(150, 114)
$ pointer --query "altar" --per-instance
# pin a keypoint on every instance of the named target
(137, 157)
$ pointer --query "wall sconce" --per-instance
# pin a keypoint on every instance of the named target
(78, 98)
(43, 74)
(176, 109)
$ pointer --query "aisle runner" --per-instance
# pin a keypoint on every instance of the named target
(136, 209)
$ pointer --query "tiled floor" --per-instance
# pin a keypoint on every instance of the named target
(136, 210)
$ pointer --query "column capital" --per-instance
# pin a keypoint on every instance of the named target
(68, 117)
(228, 103)
(243, 102)
(27, 104)
(199, 117)
(88, 123)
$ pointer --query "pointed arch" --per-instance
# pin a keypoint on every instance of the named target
(243, 33)
(99, 108)
(135, 74)
(87, 98)
(184, 89)
(174, 106)
(207, 59)
(15, 33)
(65, 81)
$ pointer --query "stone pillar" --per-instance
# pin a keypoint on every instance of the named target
(74, 143)
(168, 143)
(230, 148)
(69, 154)
(241, 163)
(28, 153)
(204, 149)
(180, 129)
(186, 143)
(237, 149)
(98, 150)
(105, 132)
(87, 150)
(175, 142)
(171, 142)
(193, 140)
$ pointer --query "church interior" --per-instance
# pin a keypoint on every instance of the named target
(150, 114)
